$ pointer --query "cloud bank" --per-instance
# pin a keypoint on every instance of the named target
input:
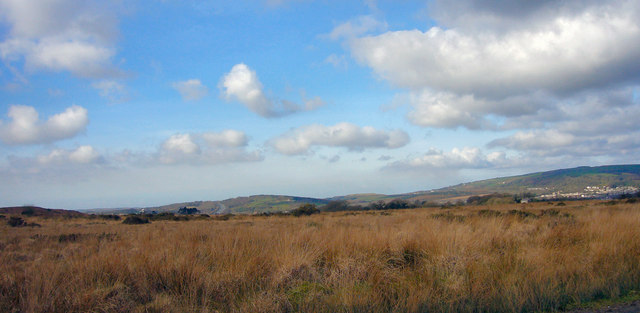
(563, 75)
(347, 135)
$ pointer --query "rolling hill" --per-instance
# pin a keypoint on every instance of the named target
(562, 180)
(38, 211)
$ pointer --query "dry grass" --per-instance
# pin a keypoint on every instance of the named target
(472, 259)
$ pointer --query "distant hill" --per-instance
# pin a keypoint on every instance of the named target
(562, 180)
(252, 204)
(567, 180)
(38, 211)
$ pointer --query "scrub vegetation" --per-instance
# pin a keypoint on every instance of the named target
(532, 257)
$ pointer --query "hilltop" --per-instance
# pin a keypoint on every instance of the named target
(573, 181)
(38, 211)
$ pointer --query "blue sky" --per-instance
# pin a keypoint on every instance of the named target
(142, 103)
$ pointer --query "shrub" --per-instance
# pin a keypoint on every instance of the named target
(134, 219)
(188, 211)
(28, 212)
(16, 222)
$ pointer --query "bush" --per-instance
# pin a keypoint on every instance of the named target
(305, 209)
(188, 211)
(134, 219)
(28, 212)
(16, 222)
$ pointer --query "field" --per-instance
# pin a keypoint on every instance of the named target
(537, 257)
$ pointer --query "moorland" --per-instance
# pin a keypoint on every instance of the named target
(526, 257)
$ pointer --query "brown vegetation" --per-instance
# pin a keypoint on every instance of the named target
(509, 258)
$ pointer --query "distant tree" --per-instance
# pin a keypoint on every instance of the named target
(336, 206)
(188, 211)
(378, 205)
(305, 209)
(396, 204)
(28, 212)
(134, 219)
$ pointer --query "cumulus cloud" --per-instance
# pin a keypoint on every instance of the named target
(353, 137)
(206, 148)
(64, 35)
(243, 85)
(25, 126)
(565, 54)
(562, 77)
(191, 89)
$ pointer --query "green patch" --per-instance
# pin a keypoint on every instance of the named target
(305, 293)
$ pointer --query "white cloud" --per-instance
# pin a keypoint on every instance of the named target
(563, 75)
(206, 148)
(353, 137)
(191, 89)
(242, 84)
(357, 27)
(26, 128)
(63, 35)
(563, 54)
(180, 143)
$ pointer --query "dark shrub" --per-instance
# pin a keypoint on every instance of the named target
(305, 209)
(16, 222)
(112, 217)
(134, 219)
(335, 206)
(188, 211)
(396, 204)
(28, 212)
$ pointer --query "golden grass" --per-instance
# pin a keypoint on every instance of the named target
(422, 260)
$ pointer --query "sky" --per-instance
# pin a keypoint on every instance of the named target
(149, 102)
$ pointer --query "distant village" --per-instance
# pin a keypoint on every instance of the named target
(589, 192)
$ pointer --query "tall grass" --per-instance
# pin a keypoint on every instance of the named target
(471, 259)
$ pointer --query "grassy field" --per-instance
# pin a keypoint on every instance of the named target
(511, 258)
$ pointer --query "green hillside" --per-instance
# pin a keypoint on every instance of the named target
(567, 180)
(252, 204)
